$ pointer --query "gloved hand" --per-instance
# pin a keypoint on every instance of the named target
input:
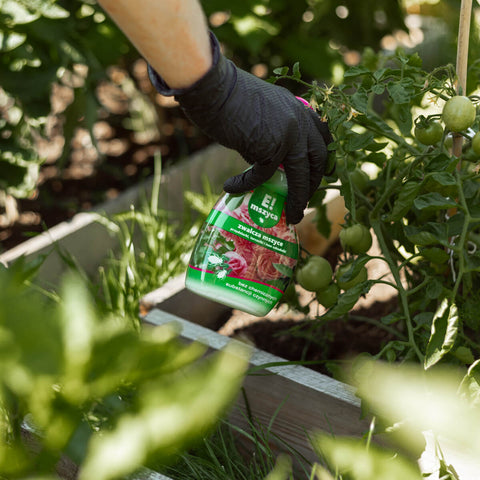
(265, 123)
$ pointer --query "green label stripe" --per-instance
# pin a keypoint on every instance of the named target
(254, 235)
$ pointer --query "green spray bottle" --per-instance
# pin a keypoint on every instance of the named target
(245, 254)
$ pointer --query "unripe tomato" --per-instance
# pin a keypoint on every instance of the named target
(356, 239)
(360, 179)
(315, 275)
(476, 144)
(428, 133)
(328, 296)
(347, 284)
(458, 113)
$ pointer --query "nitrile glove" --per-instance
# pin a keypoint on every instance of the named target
(264, 122)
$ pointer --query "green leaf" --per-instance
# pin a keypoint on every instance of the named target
(10, 41)
(17, 13)
(400, 92)
(401, 113)
(441, 163)
(434, 201)
(359, 101)
(443, 334)
(376, 146)
(171, 416)
(356, 141)
(323, 224)
(285, 270)
(52, 10)
(472, 262)
(350, 456)
(356, 71)
(423, 401)
(471, 383)
(429, 234)
(296, 70)
(434, 289)
(281, 71)
(355, 268)
(346, 301)
(404, 202)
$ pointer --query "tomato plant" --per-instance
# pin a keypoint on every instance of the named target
(422, 203)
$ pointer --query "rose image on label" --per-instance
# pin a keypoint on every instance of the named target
(245, 253)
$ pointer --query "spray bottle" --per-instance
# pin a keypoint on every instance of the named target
(245, 254)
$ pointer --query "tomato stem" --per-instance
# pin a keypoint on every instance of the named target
(402, 293)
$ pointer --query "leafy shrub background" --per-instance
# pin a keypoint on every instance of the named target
(72, 43)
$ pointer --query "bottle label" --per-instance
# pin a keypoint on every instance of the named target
(264, 208)
(239, 263)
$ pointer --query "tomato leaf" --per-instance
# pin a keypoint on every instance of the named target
(357, 141)
(355, 268)
(346, 301)
(405, 200)
(443, 334)
(360, 101)
(376, 146)
(441, 163)
(356, 71)
(434, 201)
(401, 92)
(434, 289)
(429, 234)
(324, 226)
(471, 383)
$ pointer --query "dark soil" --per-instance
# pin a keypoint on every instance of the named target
(327, 345)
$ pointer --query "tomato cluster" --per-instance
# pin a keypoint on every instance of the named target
(316, 274)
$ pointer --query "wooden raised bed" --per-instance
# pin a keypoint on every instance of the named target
(301, 399)
(307, 400)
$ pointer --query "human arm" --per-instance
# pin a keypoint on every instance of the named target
(265, 123)
(171, 35)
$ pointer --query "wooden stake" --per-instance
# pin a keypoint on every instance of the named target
(462, 61)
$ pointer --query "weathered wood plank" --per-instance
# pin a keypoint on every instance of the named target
(308, 400)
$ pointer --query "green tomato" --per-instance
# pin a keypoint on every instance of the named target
(428, 133)
(458, 113)
(476, 144)
(356, 239)
(360, 179)
(315, 275)
(347, 284)
(328, 296)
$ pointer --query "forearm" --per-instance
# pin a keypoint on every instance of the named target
(170, 34)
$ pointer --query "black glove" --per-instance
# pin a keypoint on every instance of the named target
(265, 123)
